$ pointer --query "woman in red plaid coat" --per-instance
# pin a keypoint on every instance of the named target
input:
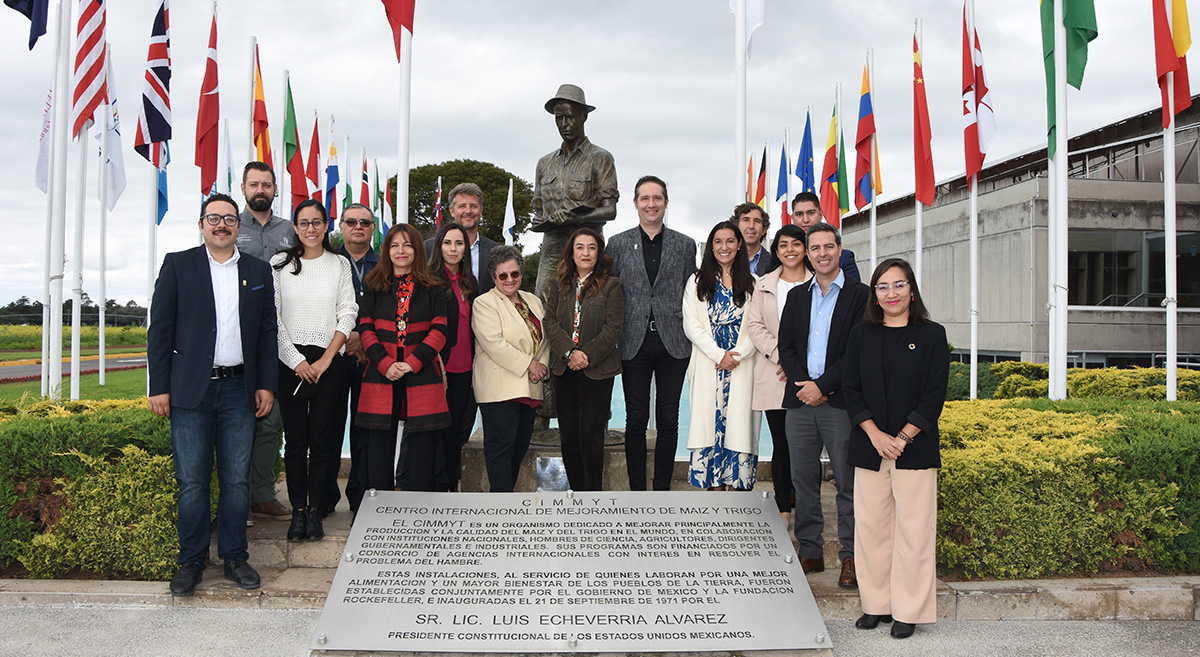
(403, 305)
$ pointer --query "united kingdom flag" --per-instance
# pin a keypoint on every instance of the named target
(154, 117)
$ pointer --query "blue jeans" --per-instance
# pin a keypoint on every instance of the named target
(224, 422)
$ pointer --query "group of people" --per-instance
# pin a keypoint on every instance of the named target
(266, 324)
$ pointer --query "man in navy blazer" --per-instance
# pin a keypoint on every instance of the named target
(212, 359)
(813, 333)
(653, 263)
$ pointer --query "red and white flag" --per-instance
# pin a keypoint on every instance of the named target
(400, 16)
(208, 116)
(364, 195)
(979, 121)
(88, 80)
(313, 172)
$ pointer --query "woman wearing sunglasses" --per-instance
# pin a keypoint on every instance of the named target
(510, 365)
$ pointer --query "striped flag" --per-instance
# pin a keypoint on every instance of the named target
(291, 153)
(88, 80)
(313, 172)
(208, 116)
(979, 122)
(866, 181)
(829, 176)
(364, 196)
(783, 184)
(922, 135)
(331, 178)
(760, 193)
(262, 135)
(154, 117)
(1171, 43)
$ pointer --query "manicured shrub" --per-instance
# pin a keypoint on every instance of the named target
(958, 387)
(1028, 492)
(1131, 383)
(1018, 386)
(118, 521)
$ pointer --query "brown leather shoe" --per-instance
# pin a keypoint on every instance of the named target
(812, 565)
(270, 508)
(848, 579)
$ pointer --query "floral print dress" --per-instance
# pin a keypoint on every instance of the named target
(716, 465)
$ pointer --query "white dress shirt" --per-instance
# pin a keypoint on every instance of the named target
(225, 299)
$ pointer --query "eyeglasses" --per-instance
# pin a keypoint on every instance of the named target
(899, 286)
(357, 222)
(214, 219)
(504, 276)
(305, 224)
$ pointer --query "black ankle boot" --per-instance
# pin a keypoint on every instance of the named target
(298, 530)
(314, 531)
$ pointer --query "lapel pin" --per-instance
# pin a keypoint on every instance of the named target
(243, 282)
(911, 346)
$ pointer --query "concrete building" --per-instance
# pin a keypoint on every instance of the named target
(1116, 255)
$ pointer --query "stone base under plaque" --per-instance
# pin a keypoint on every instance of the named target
(828, 652)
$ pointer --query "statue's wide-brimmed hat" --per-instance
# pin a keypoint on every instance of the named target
(568, 92)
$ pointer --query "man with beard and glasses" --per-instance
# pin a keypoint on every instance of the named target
(262, 235)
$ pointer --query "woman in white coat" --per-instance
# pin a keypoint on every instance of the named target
(787, 269)
(722, 433)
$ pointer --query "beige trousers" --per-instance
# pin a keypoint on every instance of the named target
(895, 539)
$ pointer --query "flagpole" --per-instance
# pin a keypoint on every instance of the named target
(1170, 299)
(871, 170)
(152, 250)
(58, 244)
(51, 192)
(1058, 359)
(77, 260)
(739, 96)
(838, 148)
(401, 215)
(920, 224)
(253, 65)
(974, 232)
(104, 217)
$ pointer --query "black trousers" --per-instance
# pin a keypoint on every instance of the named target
(460, 397)
(781, 468)
(507, 429)
(652, 360)
(347, 409)
(583, 406)
(309, 431)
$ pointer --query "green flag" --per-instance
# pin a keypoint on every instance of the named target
(843, 181)
(1080, 18)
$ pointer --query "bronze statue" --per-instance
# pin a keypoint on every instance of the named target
(574, 185)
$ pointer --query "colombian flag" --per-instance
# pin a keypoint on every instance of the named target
(866, 182)
(829, 177)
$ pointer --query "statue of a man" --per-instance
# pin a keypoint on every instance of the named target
(575, 185)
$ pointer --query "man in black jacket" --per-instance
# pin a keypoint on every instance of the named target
(816, 322)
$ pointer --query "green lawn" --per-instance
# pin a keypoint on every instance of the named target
(6, 356)
(124, 384)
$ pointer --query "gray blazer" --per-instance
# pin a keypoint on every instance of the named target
(485, 247)
(664, 298)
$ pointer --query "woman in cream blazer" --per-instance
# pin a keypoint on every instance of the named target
(511, 360)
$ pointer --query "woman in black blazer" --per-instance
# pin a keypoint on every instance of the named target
(894, 380)
(584, 316)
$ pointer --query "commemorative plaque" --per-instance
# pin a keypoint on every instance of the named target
(569, 572)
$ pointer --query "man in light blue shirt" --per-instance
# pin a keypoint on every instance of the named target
(813, 331)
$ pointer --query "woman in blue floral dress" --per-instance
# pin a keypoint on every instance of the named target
(723, 432)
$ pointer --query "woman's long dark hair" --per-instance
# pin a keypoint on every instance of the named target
(710, 269)
(793, 231)
(296, 253)
(917, 314)
(437, 266)
(384, 274)
(567, 271)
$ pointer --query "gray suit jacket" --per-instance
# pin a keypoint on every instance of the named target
(485, 247)
(664, 298)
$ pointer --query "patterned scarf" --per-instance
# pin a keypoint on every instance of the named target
(404, 292)
(534, 333)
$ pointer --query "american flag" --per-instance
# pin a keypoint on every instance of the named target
(89, 80)
(154, 119)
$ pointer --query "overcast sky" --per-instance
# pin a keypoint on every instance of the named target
(660, 73)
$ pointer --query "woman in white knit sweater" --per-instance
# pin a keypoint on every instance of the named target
(314, 299)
